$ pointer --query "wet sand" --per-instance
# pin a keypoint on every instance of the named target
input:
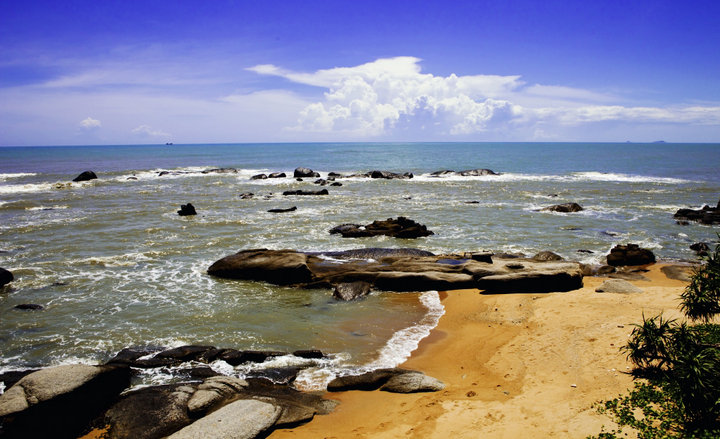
(513, 364)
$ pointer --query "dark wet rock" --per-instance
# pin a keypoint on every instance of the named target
(131, 357)
(246, 195)
(585, 251)
(701, 248)
(390, 175)
(281, 267)
(305, 172)
(85, 176)
(259, 177)
(277, 175)
(368, 381)
(289, 209)
(5, 277)
(60, 401)
(707, 215)
(336, 184)
(412, 383)
(678, 272)
(472, 202)
(401, 227)
(547, 256)
(321, 182)
(564, 208)
(606, 269)
(481, 257)
(442, 173)
(477, 172)
(278, 375)
(11, 377)
(619, 286)
(186, 210)
(351, 290)
(220, 171)
(131, 178)
(630, 254)
(301, 192)
(334, 175)
(197, 373)
(235, 357)
(205, 354)
(309, 354)
(149, 413)
(29, 307)
(509, 255)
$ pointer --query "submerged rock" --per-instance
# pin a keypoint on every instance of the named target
(351, 290)
(85, 176)
(401, 227)
(5, 277)
(564, 208)
(289, 209)
(301, 192)
(29, 307)
(186, 210)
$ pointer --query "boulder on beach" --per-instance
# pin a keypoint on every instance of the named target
(187, 210)
(412, 383)
(85, 176)
(305, 172)
(5, 277)
(243, 419)
(397, 228)
(395, 380)
(564, 208)
(60, 401)
(619, 286)
(630, 254)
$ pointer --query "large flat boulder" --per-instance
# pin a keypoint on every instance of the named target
(243, 419)
(280, 267)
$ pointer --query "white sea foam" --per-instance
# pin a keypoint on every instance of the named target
(26, 188)
(609, 176)
(56, 207)
(575, 176)
(4, 177)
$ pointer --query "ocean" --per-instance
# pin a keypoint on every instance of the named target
(114, 266)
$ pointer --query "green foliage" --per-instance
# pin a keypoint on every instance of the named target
(681, 362)
(701, 299)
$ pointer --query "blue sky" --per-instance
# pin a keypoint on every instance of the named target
(117, 72)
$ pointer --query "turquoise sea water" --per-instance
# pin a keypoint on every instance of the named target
(115, 266)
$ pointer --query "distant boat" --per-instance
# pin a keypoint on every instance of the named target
(168, 143)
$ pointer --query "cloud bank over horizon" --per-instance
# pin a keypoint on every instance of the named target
(389, 96)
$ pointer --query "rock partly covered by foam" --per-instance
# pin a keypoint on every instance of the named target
(5, 277)
(630, 254)
(401, 227)
(85, 176)
(466, 173)
(404, 272)
(564, 208)
(707, 215)
(187, 210)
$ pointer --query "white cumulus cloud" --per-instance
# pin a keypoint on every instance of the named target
(90, 124)
(393, 95)
(147, 131)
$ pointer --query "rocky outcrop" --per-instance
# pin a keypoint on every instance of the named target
(259, 177)
(280, 267)
(187, 210)
(5, 277)
(213, 391)
(305, 172)
(700, 248)
(401, 227)
(390, 175)
(547, 256)
(29, 307)
(59, 401)
(398, 273)
(220, 171)
(277, 175)
(630, 254)
(85, 176)
(707, 215)
(619, 286)
(564, 208)
(351, 290)
(467, 173)
(412, 383)
(301, 192)
(244, 419)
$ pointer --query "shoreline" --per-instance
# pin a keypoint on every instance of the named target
(512, 363)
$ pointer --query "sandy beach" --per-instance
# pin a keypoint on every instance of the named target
(513, 364)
